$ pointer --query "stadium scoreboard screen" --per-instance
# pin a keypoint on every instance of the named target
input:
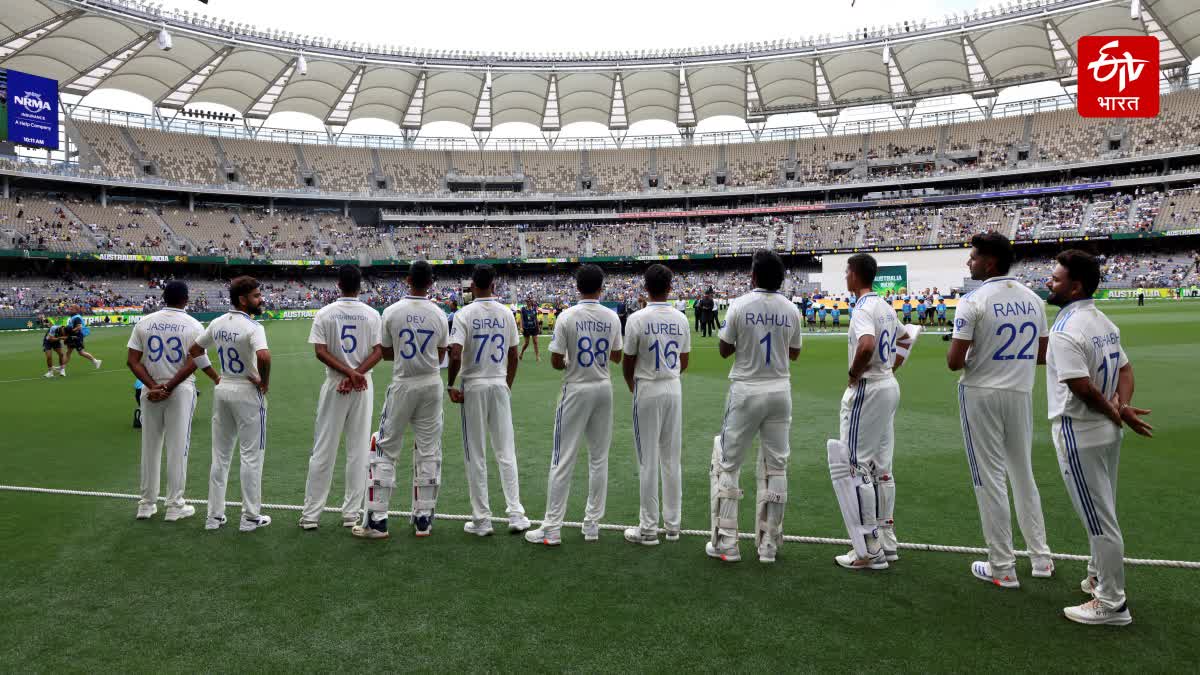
(28, 109)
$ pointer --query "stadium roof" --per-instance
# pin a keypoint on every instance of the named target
(114, 44)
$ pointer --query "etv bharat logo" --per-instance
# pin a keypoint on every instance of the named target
(1118, 76)
(32, 102)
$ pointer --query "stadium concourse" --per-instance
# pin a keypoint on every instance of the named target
(179, 159)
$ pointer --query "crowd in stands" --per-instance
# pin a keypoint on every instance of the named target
(1126, 270)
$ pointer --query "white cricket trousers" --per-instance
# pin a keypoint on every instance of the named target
(487, 412)
(415, 402)
(658, 440)
(169, 423)
(1088, 455)
(338, 414)
(239, 416)
(997, 426)
(584, 415)
(867, 427)
(762, 409)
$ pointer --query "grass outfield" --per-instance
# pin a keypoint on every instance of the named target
(86, 587)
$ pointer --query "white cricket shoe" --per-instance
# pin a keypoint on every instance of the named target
(306, 524)
(351, 520)
(1088, 585)
(591, 531)
(851, 561)
(214, 523)
(62, 372)
(891, 556)
(634, 535)
(481, 529)
(733, 554)
(544, 537)
(175, 513)
(1094, 613)
(369, 532)
(252, 524)
(766, 552)
(146, 510)
(517, 524)
(1043, 570)
(672, 535)
(983, 571)
(49, 375)
(98, 362)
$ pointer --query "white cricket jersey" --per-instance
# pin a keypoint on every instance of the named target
(1004, 320)
(164, 338)
(237, 339)
(415, 328)
(762, 326)
(586, 334)
(349, 329)
(656, 336)
(486, 330)
(873, 315)
(1083, 343)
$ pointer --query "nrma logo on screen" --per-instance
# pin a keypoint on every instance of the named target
(32, 102)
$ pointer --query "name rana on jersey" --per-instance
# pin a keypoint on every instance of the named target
(662, 329)
(780, 320)
(1013, 309)
(487, 322)
(592, 326)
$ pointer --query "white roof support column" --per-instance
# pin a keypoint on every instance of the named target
(340, 113)
(264, 103)
(416, 110)
(685, 112)
(550, 119)
(482, 121)
(1172, 49)
(754, 114)
(617, 121)
(827, 111)
(1064, 60)
(181, 94)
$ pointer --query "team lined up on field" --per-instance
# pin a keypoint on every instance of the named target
(1000, 335)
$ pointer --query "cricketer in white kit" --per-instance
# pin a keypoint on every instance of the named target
(658, 341)
(239, 403)
(157, 348)
(483, 347)
(587, 336)
(1089, 389)
(860, 460)
(345, 337)
(415, 337)
(762, 328)
(999, 339)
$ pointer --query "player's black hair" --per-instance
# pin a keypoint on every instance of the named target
(589, 279)
(239, 287)
(420, 275)
(767, 267)
(175, 294)
(1081, 266)
(658, 279)
(483, 276)
(349, 279)
(995, 246)
(864, 266)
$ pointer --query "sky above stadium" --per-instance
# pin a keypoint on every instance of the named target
(553, 25)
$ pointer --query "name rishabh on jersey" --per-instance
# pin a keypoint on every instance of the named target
(1083, 343)
(762, 326)
(1004, 320)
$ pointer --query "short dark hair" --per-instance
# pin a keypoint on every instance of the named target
(1081, 266)
(241, 286)
(349, 278)
(864, 266)
(175, 294)
(420, 274)
(589, 279)
(483, 276)
(658, 279)
(995, 246)
(767, 267)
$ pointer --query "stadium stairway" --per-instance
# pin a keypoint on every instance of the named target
(178, 242)
(524, 247)
(87, 231)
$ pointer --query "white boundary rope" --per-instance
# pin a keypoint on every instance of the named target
(939, 548)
